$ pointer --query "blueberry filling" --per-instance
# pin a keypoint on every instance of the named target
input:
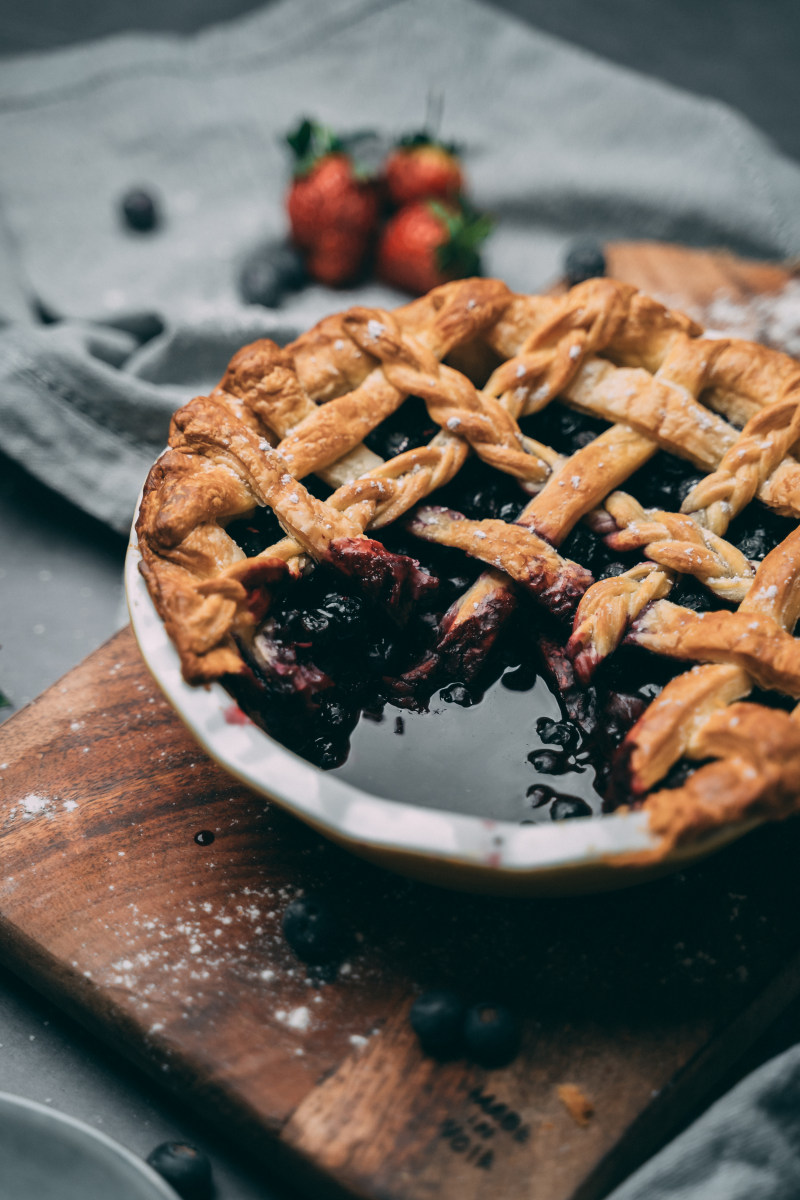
(519, 738)
(758, 529)
(562, 428)
(410, 426)
(664, 482)
(256, 531)
(585, 547)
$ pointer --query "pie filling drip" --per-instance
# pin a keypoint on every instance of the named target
(352, 668)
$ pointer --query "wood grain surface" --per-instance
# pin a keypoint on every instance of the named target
(172, 949)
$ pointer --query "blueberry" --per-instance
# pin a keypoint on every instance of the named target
(565, 807)
(686, 485)
(678, 774)
(558, 733)
(273, 270)
(325, 753)
(185, 1168)
(624, 709)
(139, 210)
(456, 693)
(315, 623)
(755, 545)
(437, 1018)
(492, 501)
(584, 260)
(509, 511)
(313, 931)
(260, 283)
(548, 762)
(290, 265)
(333, 712)
(379, 652)
(256, 531)
(539, 794)
(519, 679)
(492, 1034)
(612, 570)
(691, 594)
(345, 611)
(396, 443)
(292, 622)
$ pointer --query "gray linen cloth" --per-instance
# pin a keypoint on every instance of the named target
(558, 143)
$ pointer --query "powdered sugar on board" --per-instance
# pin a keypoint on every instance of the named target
(184, 962)
(36, 805)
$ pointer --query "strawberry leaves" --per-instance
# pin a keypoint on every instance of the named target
(466, 230)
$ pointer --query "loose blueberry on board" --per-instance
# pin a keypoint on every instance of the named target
(584, 260)
(492, 1034)
(565, 807)
(437, 1018)
(139, 210)
(185, 1168)
(312, 931)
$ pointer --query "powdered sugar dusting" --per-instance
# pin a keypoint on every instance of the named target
(772, 318)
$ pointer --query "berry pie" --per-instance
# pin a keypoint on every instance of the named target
(572, 514)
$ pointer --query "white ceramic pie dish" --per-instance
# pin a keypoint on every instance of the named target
(453, 850)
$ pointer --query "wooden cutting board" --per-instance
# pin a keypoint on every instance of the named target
(172, 950)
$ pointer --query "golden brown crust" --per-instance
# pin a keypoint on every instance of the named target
(729, 407)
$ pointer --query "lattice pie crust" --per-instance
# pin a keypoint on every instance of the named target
(728, 406)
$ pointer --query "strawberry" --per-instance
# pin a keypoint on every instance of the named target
(429, 243)
(333, 210)
(421, 168)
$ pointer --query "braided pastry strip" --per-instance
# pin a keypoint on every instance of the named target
(756, 463)
(267, 396)
(572, 490)
(756, 773)
(516, 549)
(691, 718)
(468, 417)
(549, 356)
